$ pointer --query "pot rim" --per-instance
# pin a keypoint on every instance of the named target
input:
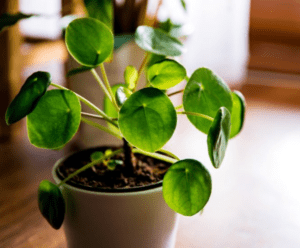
(140, 190)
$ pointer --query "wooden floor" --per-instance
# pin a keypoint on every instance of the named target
(255, 200)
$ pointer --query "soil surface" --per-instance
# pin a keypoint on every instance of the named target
(147, 171)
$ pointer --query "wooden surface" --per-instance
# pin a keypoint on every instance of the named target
(255, 200)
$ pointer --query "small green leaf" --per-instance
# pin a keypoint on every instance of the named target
(166, 74)
(101, 10)
(218, 136)
(81, 69)
(130, 76)
(183, 4)
(24, 103)
(55, 120)
(122, 95)
(96, 155)
(89, 41)
(187, 187)
(7, 20)
(51, 203)
(157, 41)
(238, 113)
(205, 93)
(147, 119)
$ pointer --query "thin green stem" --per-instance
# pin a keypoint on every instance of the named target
(90, 165)
(88, 103)
(101, 84)
(96, 116)
(176, 92)
(156, 155)
(179, 106)
(168, 153)
(196, 114)
(108, 86)
(105, 129)
(142, 67)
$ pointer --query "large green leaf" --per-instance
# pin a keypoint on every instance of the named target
(101, 10)
(51, 203)
(218, 136)
(166, 74)
(187, 187)
(147, 119)
(157, 41)
(24, 103)
(89, 41)
(7, 20)
(205, 93)
(238, 113)
(55, 120)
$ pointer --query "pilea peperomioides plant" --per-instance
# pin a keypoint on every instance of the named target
(144, 119)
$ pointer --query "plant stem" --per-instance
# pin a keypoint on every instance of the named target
(105, 129)
(90, 165)
(176, 92)
(179, 106)
(196, 114)
(142, 67)
(108, 86)
(89, 104)
(96, 116)
(98, 79)
(155, 155)
(168, 153)
(130, 161)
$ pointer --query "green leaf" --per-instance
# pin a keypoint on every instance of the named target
(183, 4)
(55, 120)
(147, 119)
(122, 95)
(238, 113)
(205, 93)
(96, 155)
(89, 41)
(158, 42)
(166, 74)
(78, 70)
(120, 40)
(7, 20)
(130, 76)
(51, 203)
(187, 187)
(24, 103)
(101, 10)
(218, 136)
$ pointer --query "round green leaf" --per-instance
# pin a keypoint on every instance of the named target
(89, 41)
(55, 120)
(24, 103)
(218, 136)
(51, 203)
(205, 93)
(156, 41)
(238, 113)
(147, 119)
(166, 74)
(187, 187)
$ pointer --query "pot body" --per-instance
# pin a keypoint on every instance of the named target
(139, 219)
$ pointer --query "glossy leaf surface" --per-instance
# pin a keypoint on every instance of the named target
(157, 41)
(7, 20)
(205, 93)
(238, 113)
(187, 187)
(55, 120)
(101, 10)
(51, 203)
(24, 103)
(122, 94)
(147, 119)
(218, 136)
(166, 74)
(89, 41)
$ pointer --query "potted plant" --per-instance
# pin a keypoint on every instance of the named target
(126, 196)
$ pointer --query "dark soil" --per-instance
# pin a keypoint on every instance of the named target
(147, 171)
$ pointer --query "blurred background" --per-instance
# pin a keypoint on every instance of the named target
(253, 45)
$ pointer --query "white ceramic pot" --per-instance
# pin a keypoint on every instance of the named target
(139, 219)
